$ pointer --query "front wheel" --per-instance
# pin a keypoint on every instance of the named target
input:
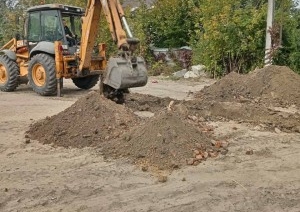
(9, 72)
(86, 82)
(42, 74)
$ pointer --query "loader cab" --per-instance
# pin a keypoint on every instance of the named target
(45, 25)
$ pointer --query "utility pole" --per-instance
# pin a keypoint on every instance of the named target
(270, 19)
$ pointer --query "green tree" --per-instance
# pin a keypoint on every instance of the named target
(9, 21)
(2, 11)
(234, 36)
(289, 21)
(168, 23)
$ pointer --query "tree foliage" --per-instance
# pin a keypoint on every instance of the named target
(227, 35)
(169, 23)
(289, 21)
(234, 36)
(9, 20)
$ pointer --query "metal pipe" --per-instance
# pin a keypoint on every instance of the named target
(126, 26)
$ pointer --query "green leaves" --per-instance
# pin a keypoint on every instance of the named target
(169, 23)
(233, 38)
(225, 35)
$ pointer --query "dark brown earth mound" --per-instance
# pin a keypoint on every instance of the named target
(88, 122)
(268, 97)
(276, 85)
(165, 142)
(143, 102)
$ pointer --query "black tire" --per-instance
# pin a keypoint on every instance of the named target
(9, 72)
(86, 82)
(43, 85)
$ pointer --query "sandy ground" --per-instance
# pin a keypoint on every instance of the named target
(36, 177)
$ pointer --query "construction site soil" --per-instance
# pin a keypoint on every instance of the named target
(177, 134)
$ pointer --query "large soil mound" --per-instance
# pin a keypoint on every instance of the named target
(276, 85)
(165, 142)
(269, 97)
(88, 122)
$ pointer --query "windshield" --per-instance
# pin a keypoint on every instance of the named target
(74, 23)
(44, 26)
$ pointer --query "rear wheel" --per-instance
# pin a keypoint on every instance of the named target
(42, 74)
(9, 72)
(86, 82)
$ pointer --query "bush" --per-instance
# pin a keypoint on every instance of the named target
(161, 68)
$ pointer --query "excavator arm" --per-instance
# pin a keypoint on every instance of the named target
(115, 17)
(122, 71)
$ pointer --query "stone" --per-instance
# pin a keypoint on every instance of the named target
(180, 74)
(249, 152)
(190, 161)
(199, 157)
(144, 168)
(162, 178)
(277, 130)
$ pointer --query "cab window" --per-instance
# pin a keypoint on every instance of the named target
(44, 26)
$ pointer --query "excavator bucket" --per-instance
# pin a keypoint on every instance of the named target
(123, 73)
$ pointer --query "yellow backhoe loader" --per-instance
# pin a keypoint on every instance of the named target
(47, 54)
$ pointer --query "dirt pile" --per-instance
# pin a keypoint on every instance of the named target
(88, 122)
(269, 97)
(165, 142)
(276, 85)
